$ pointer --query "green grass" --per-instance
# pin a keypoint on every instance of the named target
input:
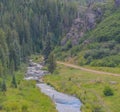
(88, 87)
(26, 98)
(36, 58)
(115, 70)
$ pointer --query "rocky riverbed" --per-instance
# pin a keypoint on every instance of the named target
(64, 103)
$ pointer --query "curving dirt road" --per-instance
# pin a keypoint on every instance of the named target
(86, 69)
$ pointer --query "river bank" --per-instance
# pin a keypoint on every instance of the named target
(26, 97)
(63, 102)
(88, 87)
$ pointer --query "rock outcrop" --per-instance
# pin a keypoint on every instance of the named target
(34, 71)
(117, 2)
(90, 20)
(76, 31)
(81, 25)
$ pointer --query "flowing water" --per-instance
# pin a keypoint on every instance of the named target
(64, 103)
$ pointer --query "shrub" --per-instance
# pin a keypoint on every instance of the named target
(97, 108)
(108, 91)
(67, 46)
(1, 107)
(24, 108)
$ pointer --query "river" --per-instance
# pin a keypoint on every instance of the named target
(64, 102)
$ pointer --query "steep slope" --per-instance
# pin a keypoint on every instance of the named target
(101, 45)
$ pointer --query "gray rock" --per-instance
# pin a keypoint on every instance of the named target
(35, 72)
(113, 82)
(117, 2)
(90, 20)
(76, 31)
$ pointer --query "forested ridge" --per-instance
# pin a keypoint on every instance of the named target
(83, 32)
(25, 25)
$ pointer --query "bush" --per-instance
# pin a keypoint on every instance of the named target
(24, 108)
(1, 107)
(97, 108)
(108, 91)
(67, 46)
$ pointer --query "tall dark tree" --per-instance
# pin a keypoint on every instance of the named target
(51, 63)
(14, 83)
(47, 48)
(3, 86)
(1, 69)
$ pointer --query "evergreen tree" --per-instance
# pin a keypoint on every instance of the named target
(14, 83)
(47, 48)
(1, 69)
(34, 28)
(51, 63)
(3, 86)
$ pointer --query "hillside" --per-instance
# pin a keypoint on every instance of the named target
(25, 26)
(99, 46)
(104, 44)
(36, 34)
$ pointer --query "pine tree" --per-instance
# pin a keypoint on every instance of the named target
(47, 48)
(1, 69)
(14, 84)
(3, 87)
(51, 63)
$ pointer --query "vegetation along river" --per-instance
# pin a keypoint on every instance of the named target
(63, 102)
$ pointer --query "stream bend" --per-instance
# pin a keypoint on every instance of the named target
(64, 103)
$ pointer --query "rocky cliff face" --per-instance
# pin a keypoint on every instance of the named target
(76, 31)
(90, 16)
(81, 25)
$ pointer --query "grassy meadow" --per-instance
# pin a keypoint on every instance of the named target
(88, 87)
(115, 70)
(25, 98)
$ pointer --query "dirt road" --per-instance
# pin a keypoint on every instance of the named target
(86, 69)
